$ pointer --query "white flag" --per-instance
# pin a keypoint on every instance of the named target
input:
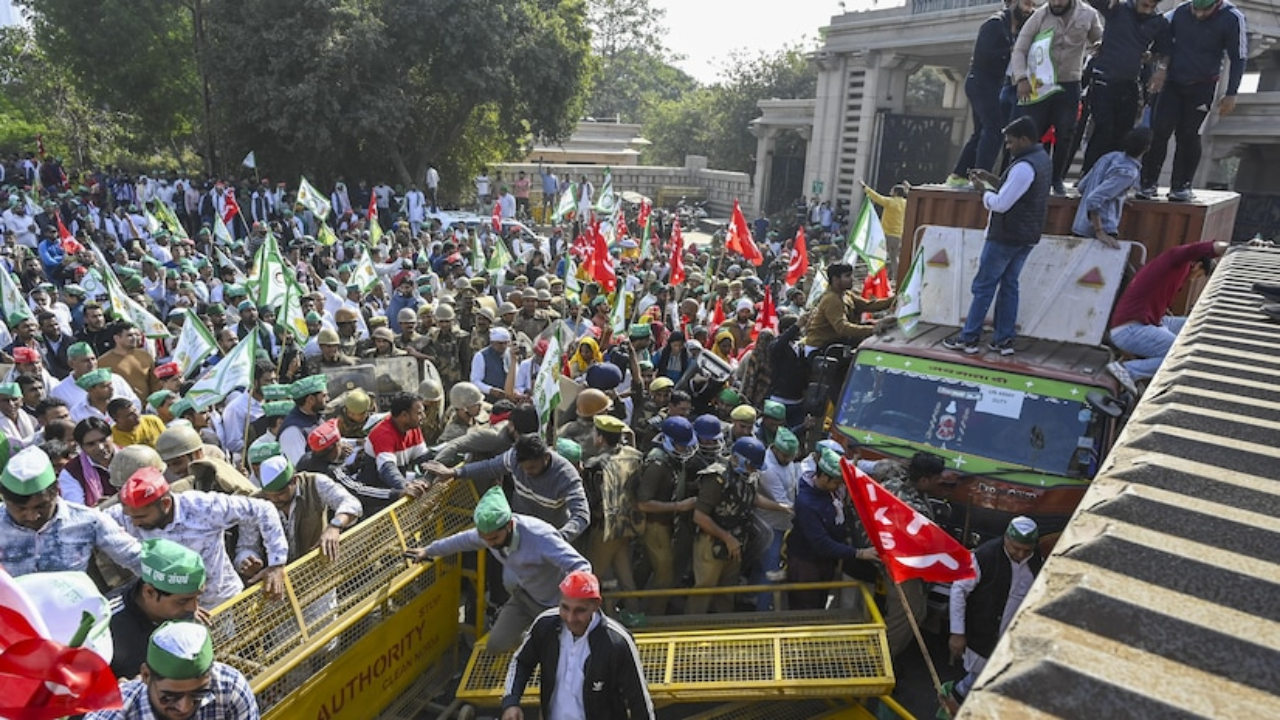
(819, 287)
(546, 386)
(232, 372)
(221, 235)
(195, 343)
(250, 161)
(909, 295)
(607, 201)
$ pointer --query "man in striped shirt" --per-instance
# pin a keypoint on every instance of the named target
(395, 444)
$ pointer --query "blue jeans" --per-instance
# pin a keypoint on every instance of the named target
(997, 279)
(1148, 343)
(983, 146)
(770, 560)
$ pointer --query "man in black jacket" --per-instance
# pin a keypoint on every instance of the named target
(982, 607)
(602, 676)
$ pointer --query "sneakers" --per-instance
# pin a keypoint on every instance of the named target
(1121, 374)
(1005, 348)
(1059, 189)
(958, 182)
(1147, 192)
(1182, 194)
(955, 342)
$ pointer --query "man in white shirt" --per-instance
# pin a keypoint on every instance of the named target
(484, 190)
(23, 226)
(433, 186)
(82, 360)
(489, 366)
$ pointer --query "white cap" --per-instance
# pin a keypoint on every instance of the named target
(499, 335)
(746, 304)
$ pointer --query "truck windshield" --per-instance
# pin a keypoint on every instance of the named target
(1009, 418)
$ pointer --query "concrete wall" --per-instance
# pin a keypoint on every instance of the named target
(721, 187)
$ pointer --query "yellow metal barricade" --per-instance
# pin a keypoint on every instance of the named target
(351, 635)
(737, 656)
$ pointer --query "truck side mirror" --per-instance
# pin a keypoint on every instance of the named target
(1104, 404)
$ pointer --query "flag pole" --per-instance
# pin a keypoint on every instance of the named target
(915, 629)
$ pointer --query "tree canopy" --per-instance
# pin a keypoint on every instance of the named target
(712, 121)
(635, 70)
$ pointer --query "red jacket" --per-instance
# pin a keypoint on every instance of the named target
(1147, 298)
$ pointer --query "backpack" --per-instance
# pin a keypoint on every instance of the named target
(620, 518)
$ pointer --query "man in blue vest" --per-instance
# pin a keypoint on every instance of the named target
(489, 366)
(983, 606)
(1018, 206)
(309, 397)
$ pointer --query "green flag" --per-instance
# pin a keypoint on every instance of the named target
(221, 235)
(233, 371)
(501, 258)
(325, 236)
(866, 240)
(477, 254)
(313, 200)
(546, 385)
(568, 204)
(572, 287)
(11, 296)
(270, 275)
(607, 201)
(291, 315)
(909, 295)
(126, 307)
(618, 315)
(153, 222)
(364, 275)
(165, 214)
(195, 344)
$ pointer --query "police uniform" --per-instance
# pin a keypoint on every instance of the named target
(728, 497)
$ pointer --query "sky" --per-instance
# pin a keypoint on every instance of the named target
(706, 30)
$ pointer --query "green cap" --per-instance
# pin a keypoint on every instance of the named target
(215, 309)
(569, 450)
(829, 463)
(94, 378)
(786, 441)
(74, 290)
(309, 385)
(158, 398)
(277, 408)
(493, 512)
(640, 330)
(729, 396)
(246, 305)
(180, 650)
(231, 291)
(10, 390)
(1203, 4)
(275, 473)
(275, 392)
(172, 568)
(17, 316)
(182, 407)
(1023, 529)
(262, 451)
(775, 410)
(28, 472)
(313, 316)
(80, 350)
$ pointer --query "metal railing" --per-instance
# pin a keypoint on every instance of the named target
(921, 7)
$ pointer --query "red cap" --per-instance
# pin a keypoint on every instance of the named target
(540, 347)
(400, 278)
(167, 370)
(144, 487)
(580, 585)
(325, 436)
(23, 354)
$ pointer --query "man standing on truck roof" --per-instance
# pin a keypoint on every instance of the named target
(1139, 325)
(983, 606)
(838, 312)
(1018, 208)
